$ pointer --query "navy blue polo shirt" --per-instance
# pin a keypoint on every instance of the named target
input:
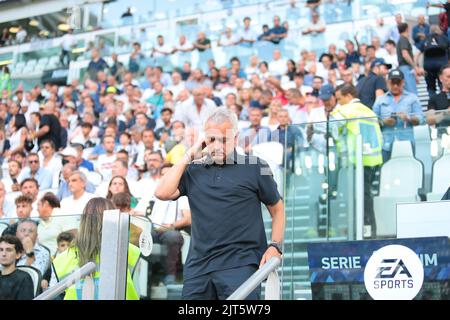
(227, 224)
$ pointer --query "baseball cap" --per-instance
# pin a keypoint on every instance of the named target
(326, 91)
(111, 89)
(379, 62)
(69, 152)
(70, 104)
(396, 74)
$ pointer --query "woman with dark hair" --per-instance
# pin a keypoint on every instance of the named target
(291, 69)
(19, 131)
(87, 249)
(119, 184)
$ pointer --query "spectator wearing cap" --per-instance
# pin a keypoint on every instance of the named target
(371, 86)
(70, 111)
(399, 111)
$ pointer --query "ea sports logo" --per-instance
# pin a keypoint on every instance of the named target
(393, 272)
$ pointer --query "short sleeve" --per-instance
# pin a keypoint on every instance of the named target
(432, 103)
(380, 84)
(267, 187)
(183, 185)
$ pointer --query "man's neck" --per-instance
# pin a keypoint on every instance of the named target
(8, 270)
(78, 195)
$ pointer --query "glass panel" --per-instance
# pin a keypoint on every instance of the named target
(322, 190)
(159, 276)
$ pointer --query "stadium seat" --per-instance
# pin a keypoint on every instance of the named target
(185, 247)
(401, 178)
(422, 142)
(441, 177)
(35, 275)
(3, 226)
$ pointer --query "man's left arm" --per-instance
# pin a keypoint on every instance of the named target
(417, 116)
(277, 212)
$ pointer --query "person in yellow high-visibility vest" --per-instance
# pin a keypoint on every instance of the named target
(342, 104)
(87, 249)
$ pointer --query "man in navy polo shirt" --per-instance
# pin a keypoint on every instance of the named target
(278, 32)
(225, 191)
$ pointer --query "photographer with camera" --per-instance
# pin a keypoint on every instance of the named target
(398, 110)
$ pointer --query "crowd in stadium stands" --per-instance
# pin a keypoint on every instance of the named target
(115, 132)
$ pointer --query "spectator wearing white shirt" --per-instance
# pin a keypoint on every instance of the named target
(30, 187)
(11, 181)
(391, 56)
(177, 84)
(183, 50)
(50, 161)
(247, 36)
(227, 38)
(252, 68)
(382, 31)
(68, 42)
(77, 201)
(380, 52)
(106, 160)
(194, 111)
(278, 66)
(161, 49)
(51, 224)
(316, 29)
(147, 184)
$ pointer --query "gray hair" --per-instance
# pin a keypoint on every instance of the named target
(221, 115)
(81, 175)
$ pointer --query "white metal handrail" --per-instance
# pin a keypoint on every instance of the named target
(255, 280)
(59, 288)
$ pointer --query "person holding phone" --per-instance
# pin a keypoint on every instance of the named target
(225, 191)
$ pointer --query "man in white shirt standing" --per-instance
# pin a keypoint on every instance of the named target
(161, 53)
(77, 201)
(278, 66)
(247, 36)
(194, 111)
(183, 50)
(67, 43)
(105, 161)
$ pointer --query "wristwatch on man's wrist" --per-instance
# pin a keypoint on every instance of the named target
(277, 245)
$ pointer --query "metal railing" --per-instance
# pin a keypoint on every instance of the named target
(255, 280)
(59, 288)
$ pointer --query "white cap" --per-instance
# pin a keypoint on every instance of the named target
(69, 152)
